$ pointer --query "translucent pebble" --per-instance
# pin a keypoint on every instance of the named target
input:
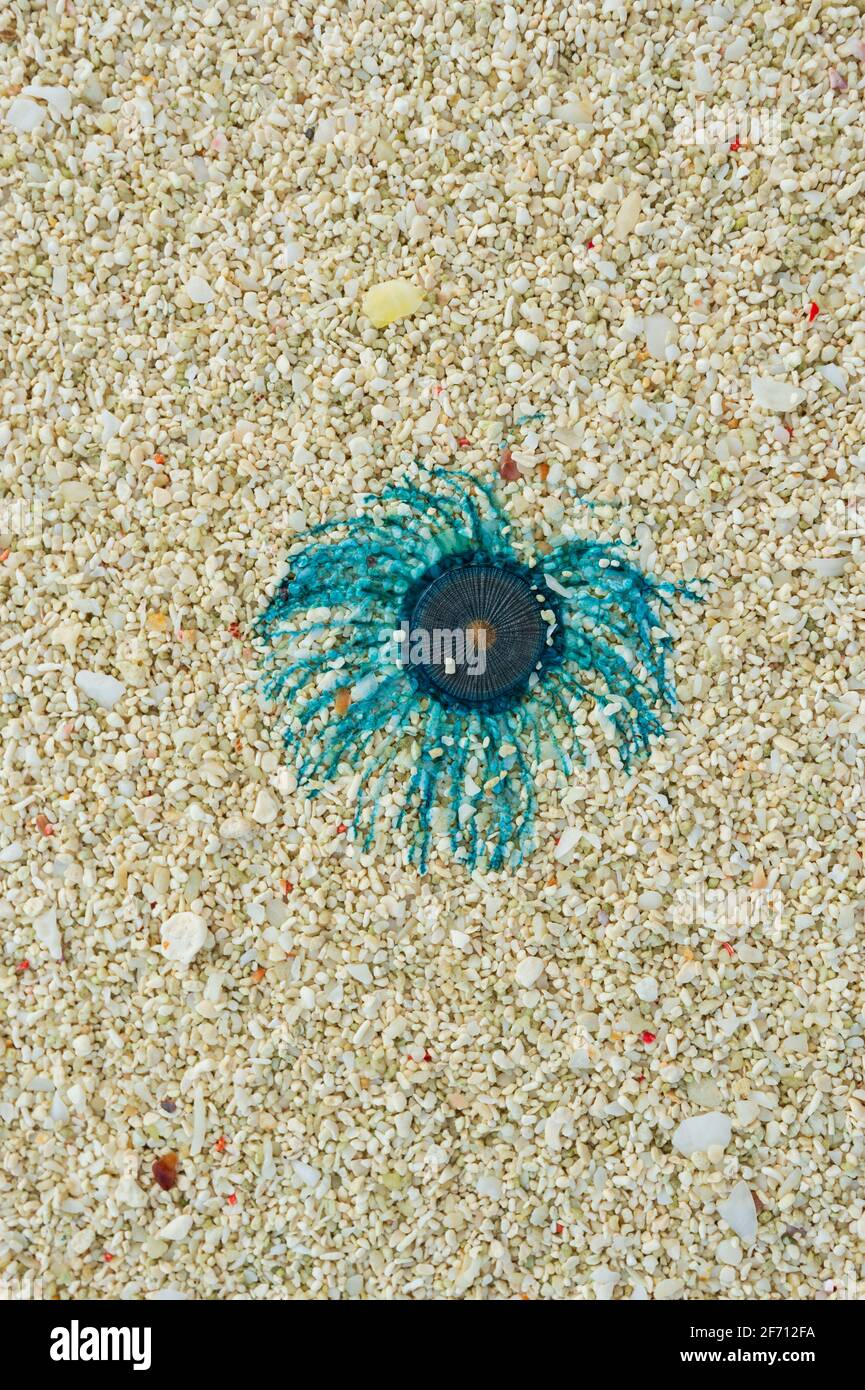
(568, 841)
(389, 301)
(48, 934)
(739, 1212)
(737, 49)
(578, 112)
(701, 1131)
(628, 215)
(776, 395)
(24, 115)
(703, 80)
(660, 330)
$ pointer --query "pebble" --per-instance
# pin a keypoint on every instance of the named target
(103, 689)
(306, 1174)
(177, 1229)
(660, 332)
(704, 81)
(668, 1288)
(526, 341)
(628, 214)
(127, 1193)
(577, 113)
(266, 807)
(568, 841)
(182, 936)
(729, 1252)
(489, 1186)
(47, 932)
(59, 99)
(236, 828)
(82, 1240)
(24, 115)
(775, 395)
(392, 300)
(529, 971)
(647, 989)
(739, 1212)
(198, 290)
(702, 1132)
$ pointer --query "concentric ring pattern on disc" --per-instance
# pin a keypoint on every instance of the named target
(501, 609)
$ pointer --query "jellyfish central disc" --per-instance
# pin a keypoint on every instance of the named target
(476, 633)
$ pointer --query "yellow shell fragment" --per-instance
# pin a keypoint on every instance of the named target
(389, 301)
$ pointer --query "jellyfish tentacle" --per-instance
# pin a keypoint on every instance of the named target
(498, 778)
(458, 776)
(352, 725)
(424, 503)
(382, 763)
(423, 786)
(496, 510)
(279, 683)
(544, 720)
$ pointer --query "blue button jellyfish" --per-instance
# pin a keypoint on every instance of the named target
(435, 661)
